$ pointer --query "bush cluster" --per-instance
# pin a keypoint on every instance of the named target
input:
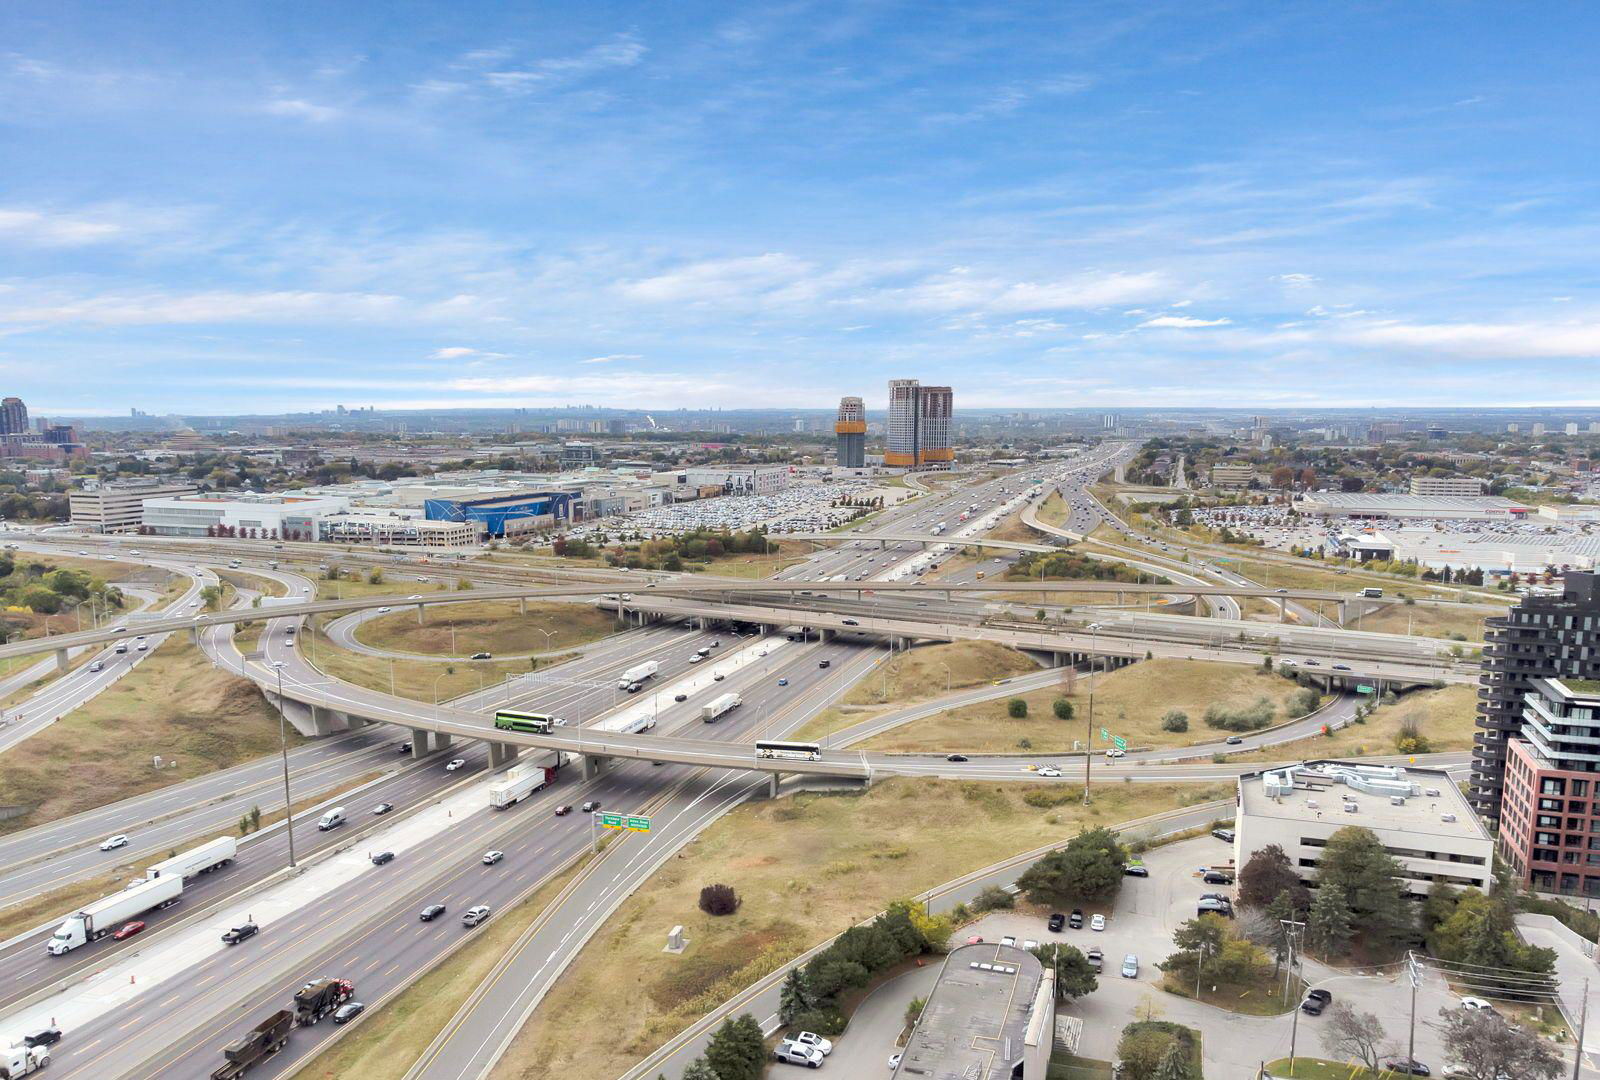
(1251, 717)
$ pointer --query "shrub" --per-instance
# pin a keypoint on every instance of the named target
(1024, 744)
(1062, 708)
(993, 898)
(1046, 798)
(1175, 720)
(1016, 708)
(826, 1022)
(719, 900)
(1247, 718)
(1409, 739)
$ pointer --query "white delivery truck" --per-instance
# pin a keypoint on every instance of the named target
(712, 710)
(639, 726)
(201, 860)
(524, 779)
(103, 916)
(332, 819)
(638, 673)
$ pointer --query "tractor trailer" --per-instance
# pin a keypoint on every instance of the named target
(18, 1061)
(200, 860)
(712, 710)
(526, 778)
(262, 1041)
(638, 673)
(317, 999)
(103, 916)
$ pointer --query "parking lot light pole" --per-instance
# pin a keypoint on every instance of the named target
(283, 747)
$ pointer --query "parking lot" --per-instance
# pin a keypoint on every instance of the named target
(804, 507)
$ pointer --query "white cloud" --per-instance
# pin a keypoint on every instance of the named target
(298, 109)
(1181, 322)
(1488, 340)
(30, 226)
(612, 359)
(718, 280)
(283, 307)
(1295, 281)
(623, 51)
(453, 352)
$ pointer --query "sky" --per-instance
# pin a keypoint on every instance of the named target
(231, 207)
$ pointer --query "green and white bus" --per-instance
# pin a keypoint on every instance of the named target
(530, 722)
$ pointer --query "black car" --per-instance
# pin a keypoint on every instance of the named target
(1217, 877)
(1407, 1067)
(431, 912)
(382, 808)
(1075, 920)
(591, 806)
(382, 857)
(1225, 835)
(346, 1013)
(1057, 921)
(48, 1036)
(479, 656)
(824, 663)
(405, 748)
(240, 933)
(956, 757)
(1315, 1002)
(1136, 869)
(680, 697)
(1346, 667)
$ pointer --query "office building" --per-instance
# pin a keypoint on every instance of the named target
(1233, 476)
(1418, 815)
(118, 505)
(851, 428)
(1571, 429)
(1447, 485)
(991, 1016)
(1550, 801)
(396, 528)
(13, 417)
(1542, 637)
(919, 426)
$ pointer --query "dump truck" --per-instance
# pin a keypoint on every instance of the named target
(524, 779)
(710, 711)
(103, 916)
(317, 999)
(200, 860)
(262, 1041)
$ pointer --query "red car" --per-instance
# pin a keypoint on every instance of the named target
(563, 811)
(128, 930)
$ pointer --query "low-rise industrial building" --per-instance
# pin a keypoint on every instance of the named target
(1434, 507)
(118, 505)
(991, 1016)
(510, 516)
(1447, 485)
(1418, 815)
(1232, 476)
(738, 479)
(250, 516)
(396, 528)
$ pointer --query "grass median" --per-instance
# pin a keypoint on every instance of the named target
(500, 627)
(805, 868)
(175, 705)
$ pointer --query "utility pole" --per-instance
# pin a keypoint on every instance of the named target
(1200, 962)
(1583, 1022)
(1291, 929)
(1415, 970)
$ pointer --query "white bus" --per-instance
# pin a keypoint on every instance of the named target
(801, 751)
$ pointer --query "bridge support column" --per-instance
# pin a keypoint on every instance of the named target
(593, 766)
(1283, 610)
(502, 754)
(1340, 614)
(420, 742)
(769, 790)
(522, 605)
(441, 740)
(61, 658)
(826, 634)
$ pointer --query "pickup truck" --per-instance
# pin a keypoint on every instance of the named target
(792, 1053)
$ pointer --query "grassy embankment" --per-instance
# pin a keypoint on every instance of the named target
(174, 704)
(1443, 716)
(805, 868)
(918, 675)
(1129, 701)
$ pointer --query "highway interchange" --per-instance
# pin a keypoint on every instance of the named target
(366, 928)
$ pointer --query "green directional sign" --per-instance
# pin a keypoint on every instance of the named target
(1105, 736)
(1364, 689)
(639, 824)
(1122, 744)
(612, 821)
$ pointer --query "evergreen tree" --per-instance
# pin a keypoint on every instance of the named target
(1328, 926)
(1174, 1064)
(1281, 909)
(738, 1050)
(793, 997)
(1369, 877)
(697, 1070)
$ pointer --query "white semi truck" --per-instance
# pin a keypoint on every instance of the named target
(638, 673)
(525, 778)
(712, 710)
(201, 860)
(98, 919)
(18, 1061)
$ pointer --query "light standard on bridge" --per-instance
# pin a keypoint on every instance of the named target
(283, 748)
(441, 675)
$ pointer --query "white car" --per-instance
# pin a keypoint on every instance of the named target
(815, 1041)
(455, 764)
(111, 843)
(1114, 753)
(894, 1061)
(384, 610)
(1008, 940)
(1049, 770)
(492, 857)
(1097, 923)
(1473, 1004)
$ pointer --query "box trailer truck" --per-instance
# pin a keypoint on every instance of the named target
(103, 916)
(201, 860)
(523, 780)
(712, 710)
(638, 673)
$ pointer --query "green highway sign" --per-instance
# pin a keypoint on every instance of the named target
(639, 824)
(624, 821)
(1122, 744)
(1364, 689)
(612, 821)
(1105, 736)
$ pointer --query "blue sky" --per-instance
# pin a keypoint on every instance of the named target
(232, 207)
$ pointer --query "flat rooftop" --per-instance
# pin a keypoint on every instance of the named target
(1412, 505)
(973, 1025)
(1422, 814)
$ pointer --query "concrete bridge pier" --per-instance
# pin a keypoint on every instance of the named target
(441, 740)
(769, 787)
(421, 740)
(593, 766)
(826, 634)
(61, 655)
(502, 754)
(420, 609)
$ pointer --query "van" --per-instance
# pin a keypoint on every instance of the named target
(1371, 592)
(332, 819)
(122, 647)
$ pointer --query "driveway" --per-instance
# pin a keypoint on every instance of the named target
(875, 1026)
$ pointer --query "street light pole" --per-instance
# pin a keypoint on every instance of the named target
(283, 747)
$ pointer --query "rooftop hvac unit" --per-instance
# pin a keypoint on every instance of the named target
(1312, 803)
(1397, 800)
(1433, 793)
(1350, 807)
(1447, 817)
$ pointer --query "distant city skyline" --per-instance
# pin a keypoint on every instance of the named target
(778, 205)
